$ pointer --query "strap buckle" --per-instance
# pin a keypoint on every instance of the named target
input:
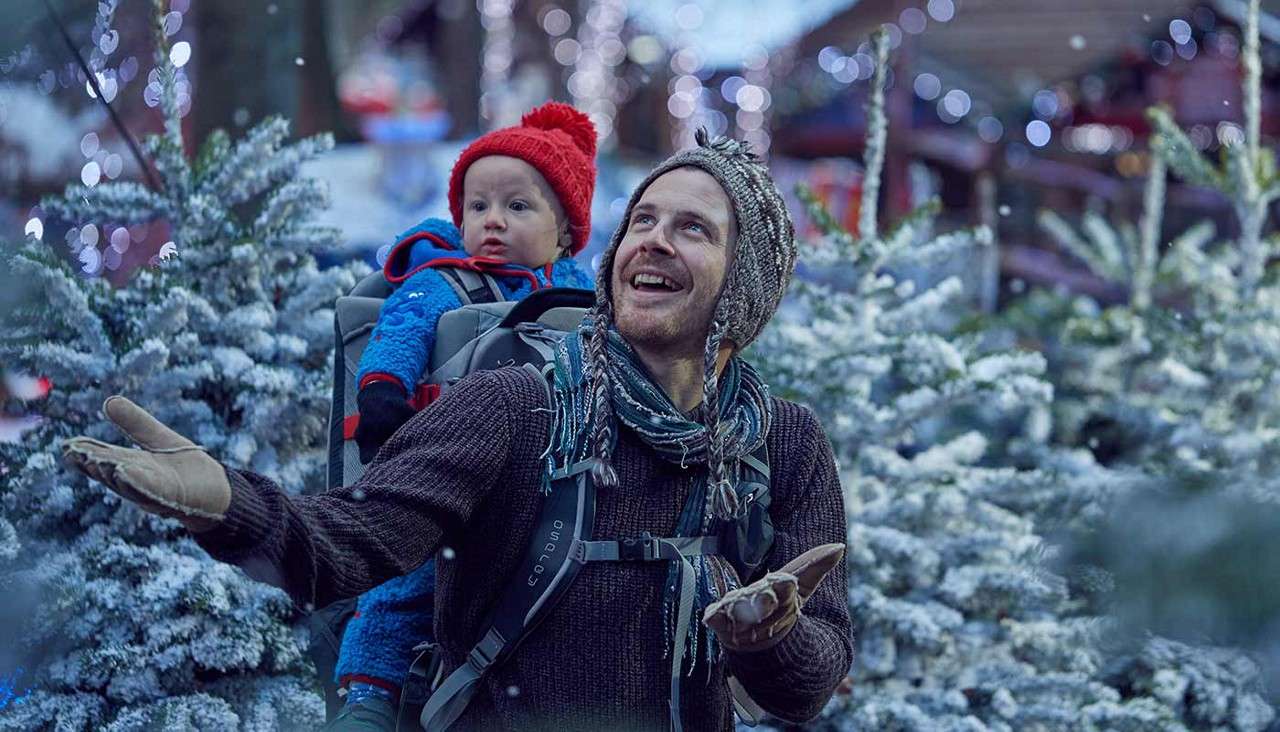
(643, 548)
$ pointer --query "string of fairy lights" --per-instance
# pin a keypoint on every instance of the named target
(592, 41)
(593, 83)
(496, 57)
(102, 246)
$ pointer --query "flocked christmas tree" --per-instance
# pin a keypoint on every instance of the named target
(958, 622)
(1185, 387)
(117, 620)
(1203, 376)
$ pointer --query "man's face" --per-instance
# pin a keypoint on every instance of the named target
(671, 263)
(509, 212)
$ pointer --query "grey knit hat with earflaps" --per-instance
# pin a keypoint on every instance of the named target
(764, 258)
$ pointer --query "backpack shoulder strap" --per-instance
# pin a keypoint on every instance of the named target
(472, 287)
(548, 568)
(759, 462)
(757, 481)
(558, 548)
(542, 375)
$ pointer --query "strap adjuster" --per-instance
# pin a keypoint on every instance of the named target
(482, 655)
(478, 658)
(643, 548)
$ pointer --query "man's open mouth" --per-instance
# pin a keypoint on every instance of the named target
(646, 282)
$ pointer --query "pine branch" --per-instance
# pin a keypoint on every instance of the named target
(1181, 155)
(1251, 60)
(1152, 214)
(1106, 243)
(124, 202)
(877, 131)
(1058, 228)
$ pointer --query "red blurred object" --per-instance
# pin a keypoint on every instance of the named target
(26, 388)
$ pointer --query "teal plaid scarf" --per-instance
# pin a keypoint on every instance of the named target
(642, 406)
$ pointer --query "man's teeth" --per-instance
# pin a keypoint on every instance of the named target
(651, 279)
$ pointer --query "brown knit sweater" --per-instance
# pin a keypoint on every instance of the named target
(465, 475)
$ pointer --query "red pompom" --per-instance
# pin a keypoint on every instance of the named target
(560, 116)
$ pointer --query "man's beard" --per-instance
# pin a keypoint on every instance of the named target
(671, 335)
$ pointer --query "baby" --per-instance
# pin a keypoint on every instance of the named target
(521, 200)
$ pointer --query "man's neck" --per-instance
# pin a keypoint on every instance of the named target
(680, 376)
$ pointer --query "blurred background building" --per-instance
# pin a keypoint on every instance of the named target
(1000, 108)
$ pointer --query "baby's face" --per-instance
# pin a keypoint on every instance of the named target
(509, 212)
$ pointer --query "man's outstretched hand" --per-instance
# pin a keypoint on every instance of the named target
(760, 615)
(170, 476)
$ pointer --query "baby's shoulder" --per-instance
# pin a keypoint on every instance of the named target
(567, 272)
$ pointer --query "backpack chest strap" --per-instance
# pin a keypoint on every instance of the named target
(656, 549)
(644, 549)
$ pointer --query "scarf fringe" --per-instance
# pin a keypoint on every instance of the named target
(745, 414)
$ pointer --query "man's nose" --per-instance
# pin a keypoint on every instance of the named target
(658, 241)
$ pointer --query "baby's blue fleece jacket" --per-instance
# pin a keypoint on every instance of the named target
(406, 329)
(397, 615)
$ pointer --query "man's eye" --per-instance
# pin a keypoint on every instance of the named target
(695, 226)
(642, 219)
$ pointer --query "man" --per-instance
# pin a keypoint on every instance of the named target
(649, 396)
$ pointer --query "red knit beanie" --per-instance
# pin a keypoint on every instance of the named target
(558, 141)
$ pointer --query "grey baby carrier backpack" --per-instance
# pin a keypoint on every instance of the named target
(487, 332)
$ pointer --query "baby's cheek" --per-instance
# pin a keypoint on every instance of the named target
(471, 244)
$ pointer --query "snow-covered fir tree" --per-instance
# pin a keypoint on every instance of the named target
(1184, 387)
(1193, 380)
(1101, 350)
(959, 623)
(118, 620)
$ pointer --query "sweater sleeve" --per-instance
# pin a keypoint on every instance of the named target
(401, 342)
(422, 489)
(794, 679)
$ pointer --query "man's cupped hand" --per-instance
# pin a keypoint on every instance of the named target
(169, 476)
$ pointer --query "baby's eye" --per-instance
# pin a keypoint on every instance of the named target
(477, 205)
(518, 205)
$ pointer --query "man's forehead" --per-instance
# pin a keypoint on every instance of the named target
(688, 187)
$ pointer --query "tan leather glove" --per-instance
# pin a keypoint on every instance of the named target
(170, 476)
(759, 616)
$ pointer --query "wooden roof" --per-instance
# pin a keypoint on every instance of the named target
(1004, 50)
